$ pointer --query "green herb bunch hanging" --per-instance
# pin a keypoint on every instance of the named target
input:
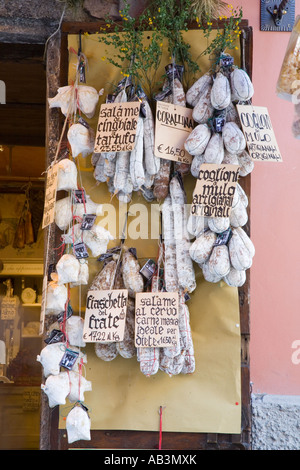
(227, 34)
(137, 54)
(136, 44)
(172, 18)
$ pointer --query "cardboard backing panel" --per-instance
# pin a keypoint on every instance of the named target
(124, 404)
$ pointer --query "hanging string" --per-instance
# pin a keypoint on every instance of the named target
(80, 375)
(160, 428)
(75, 106)
(173, 76)
(60, 247)
(72, 106)
(121, 251)
(55, 32)
(186, 323)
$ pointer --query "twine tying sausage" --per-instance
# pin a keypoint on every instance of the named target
(160, 427)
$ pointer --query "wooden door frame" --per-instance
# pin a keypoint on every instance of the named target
(53, 438)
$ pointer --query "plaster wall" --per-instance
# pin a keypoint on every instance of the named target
(275, 296)
(275, 224)
(275, 422)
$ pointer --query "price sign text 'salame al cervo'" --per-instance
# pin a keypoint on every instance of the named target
(156, 319)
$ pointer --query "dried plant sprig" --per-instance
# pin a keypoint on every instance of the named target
(227, 34)
(172, 18)
(139, 56)
(204, 9)
(132, 52)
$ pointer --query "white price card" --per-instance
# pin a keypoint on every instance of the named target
(105, 316)
(259, 133)
(214, 190)
(156, 319)
(173, 125)
(117, 126)
(50, 196)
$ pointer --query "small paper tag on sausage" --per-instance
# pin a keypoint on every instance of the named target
(80, 250)
(223, 238)
(125, 82)
(133, 252)
(226, 61)
(64, 315)
(174, 71)
(218, 122)
(82, 75)
(88, 221)
(69, 358)
(109, 254)
(83, 122)
(148, 269)
(141, 94)
(110, 98)
(79, 196)
(160, 96)
(56, 336)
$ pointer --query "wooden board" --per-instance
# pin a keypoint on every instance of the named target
(148, 439)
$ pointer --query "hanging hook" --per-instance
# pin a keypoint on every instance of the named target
(277, 12)
(82, 62)
(80, 43)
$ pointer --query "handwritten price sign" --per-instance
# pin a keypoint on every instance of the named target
(105, 316)
(259, 133)
(172, 127)
(116, 129)
(50, 196)
(173, 153)
(156, 319)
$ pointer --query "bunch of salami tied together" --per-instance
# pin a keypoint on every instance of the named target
(217, 137)
(222, 254)
(140, 170)
(62, 358)
(130, 171)
(64, 378)
(178, 276)
(121, 272)
(221, 247)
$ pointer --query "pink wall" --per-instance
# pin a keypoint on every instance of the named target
(275, 226)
